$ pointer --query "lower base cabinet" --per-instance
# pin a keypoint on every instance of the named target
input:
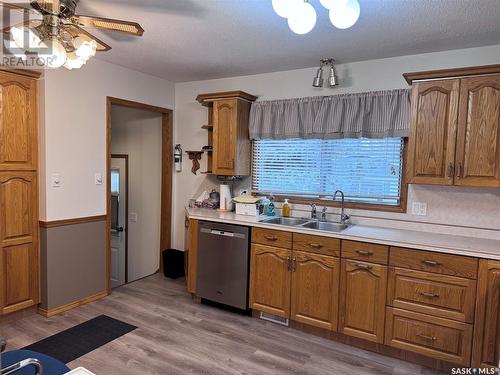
(315, 290)
(362, 300)
(486, 350)
(439, 338)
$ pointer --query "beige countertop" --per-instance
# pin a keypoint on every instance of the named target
(443, 243)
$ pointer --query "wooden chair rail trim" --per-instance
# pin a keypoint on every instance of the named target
(80, 220)
(451, 73)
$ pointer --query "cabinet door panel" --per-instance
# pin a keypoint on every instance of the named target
(18, 207)
(362, 300)
(270, 280)
(315, 283)
(478, 142)
(486, 350)
(433, 132)
(18, 116)
(224, 133)
(19, 279)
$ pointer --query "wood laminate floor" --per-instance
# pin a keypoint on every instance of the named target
(177, 336)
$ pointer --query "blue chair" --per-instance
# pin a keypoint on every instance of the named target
(27, 362)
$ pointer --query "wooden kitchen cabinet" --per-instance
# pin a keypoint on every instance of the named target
(486, 347)
(434, 111)
(455, 128)
(19, 255)
(362, 300)
(191, 246)
(478, 139)
(315, 283)
(270, 280)
(229, 114)
(18, 123)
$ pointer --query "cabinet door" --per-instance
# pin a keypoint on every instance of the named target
(486, 349)
(192, 249)
(18, 119)
(362, 300)
(19, 257)
(270, 280)
(224, 133)
(434, 112)
(478, 141)
(315, 284)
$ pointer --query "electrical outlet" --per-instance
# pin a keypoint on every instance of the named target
(419, 209)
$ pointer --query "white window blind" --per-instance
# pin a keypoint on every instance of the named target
(366, 170)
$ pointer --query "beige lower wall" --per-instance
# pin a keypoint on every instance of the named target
(73, 263)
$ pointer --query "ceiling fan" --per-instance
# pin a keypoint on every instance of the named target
(58, 38)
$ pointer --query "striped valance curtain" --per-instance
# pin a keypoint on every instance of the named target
(378, 114)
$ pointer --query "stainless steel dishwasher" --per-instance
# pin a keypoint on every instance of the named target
(223, 258)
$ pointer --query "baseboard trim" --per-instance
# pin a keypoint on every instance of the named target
(72, 305)
(79, 220)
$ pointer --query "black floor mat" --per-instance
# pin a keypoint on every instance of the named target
(68, 345)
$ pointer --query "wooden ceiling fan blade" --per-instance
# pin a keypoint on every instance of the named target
(75, 31)
(17, 7)
(128, 27)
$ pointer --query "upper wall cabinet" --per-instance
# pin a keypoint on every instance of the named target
(18, 123)
(228, 132)
(455, 127)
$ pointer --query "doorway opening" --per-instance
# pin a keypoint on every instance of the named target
(139, 189)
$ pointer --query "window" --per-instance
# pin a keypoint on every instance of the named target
(366, 170)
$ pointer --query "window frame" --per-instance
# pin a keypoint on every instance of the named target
(400, 208)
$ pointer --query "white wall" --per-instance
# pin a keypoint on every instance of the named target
(137, 133)
(74, 132)
(451, 210)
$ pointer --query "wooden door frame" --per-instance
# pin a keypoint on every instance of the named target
(125, 157)
(166, 177)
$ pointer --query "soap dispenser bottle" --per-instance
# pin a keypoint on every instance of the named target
(285, 209)
(270, 208)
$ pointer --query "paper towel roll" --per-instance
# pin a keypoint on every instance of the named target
(226, 202)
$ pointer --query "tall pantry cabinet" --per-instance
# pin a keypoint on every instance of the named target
(19, 231)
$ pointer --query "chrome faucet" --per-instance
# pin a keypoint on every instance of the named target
(313, 211)
(343, 217)
(323, 214)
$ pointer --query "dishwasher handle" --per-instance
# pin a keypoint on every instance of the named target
(221, 233)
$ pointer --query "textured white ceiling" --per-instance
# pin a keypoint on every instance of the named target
(201, 39)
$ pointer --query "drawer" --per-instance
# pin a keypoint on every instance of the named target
(365, 252)
(439, 338)
(446, 264)
(272, 237)
(429, 293)
(316, 244)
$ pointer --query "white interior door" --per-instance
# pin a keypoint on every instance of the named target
(118, 221)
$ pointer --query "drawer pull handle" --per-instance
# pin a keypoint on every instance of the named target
(425, 337)
(432, 263)
(365, 253)
(364, 266)
(430, 295)
(316, 245)
(271, 238)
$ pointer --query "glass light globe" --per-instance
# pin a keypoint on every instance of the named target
(22, 35)
(284, 8)
(343, 17)
(330, 4)
(56, 56)
(74, 61)
(84, 48)
(302, 19)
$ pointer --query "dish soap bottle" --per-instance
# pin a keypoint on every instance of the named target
(270, 209)
(285, 209)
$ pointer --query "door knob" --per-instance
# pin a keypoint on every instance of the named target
(119, 229)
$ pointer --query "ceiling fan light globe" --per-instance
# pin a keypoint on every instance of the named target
(84, 49)
(343, 17)
(284, 8)
(74, 61)
(330, 4)
(302, 19)
(56, 55)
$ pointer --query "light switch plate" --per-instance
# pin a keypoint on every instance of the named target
(419, 209)
(55, 180)
(98, 179)
(132, 217)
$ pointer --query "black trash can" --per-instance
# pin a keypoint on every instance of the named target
(173, 263)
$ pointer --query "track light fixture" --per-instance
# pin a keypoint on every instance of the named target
(332, 77)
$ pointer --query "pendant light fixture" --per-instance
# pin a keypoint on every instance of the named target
(332, 77)
(302, 16)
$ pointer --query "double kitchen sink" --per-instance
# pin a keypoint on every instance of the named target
(307, 223)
